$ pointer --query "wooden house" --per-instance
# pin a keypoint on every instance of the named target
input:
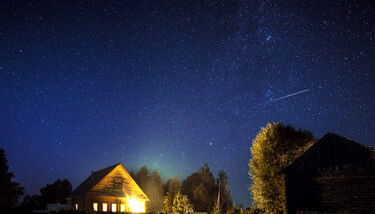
(335, 175)
(108, 190)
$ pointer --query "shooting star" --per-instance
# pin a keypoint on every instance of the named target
(283, 97)
(289, 95)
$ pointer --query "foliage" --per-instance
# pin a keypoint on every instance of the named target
(9, 191)
(143, 178)
(274, 148)
(172, 187)
(31, 202)
(181, 204)
(56, 192)
(167, 203)
(201, 188)
(215, 210)
(156, 193)
(152, 186)
(226, 202)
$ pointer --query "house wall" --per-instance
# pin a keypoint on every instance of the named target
(100, 199)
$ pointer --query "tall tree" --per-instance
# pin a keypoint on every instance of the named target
(225, 198)
(274, 148)
(143, 178)
(152, 186)
(56, 192)
(156, 193)
(172, 187)
(9, 191)
(201, 189)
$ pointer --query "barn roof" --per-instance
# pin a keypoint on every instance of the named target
(329, 137)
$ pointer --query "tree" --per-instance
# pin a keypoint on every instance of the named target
(152, 186)
(167, 204)
(201, 189)
(225, 202)
(31, 203)
(132, 174)
(172, 187)
(156, 193)
(56, 192)
(181, 204)
(9, 191)
(143, 178)
(275, 147)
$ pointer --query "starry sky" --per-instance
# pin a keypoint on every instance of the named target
(174, 84)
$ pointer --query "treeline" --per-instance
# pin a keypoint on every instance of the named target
(198, 192)
(11, 191)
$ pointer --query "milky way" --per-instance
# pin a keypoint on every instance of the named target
(175, 84)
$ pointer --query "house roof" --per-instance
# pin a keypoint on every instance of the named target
(329, 137)
(92, 180)
(91, 184)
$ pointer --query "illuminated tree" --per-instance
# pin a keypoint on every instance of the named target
(274, 148)
(9, 191)
(167, 203)
(181, 204)
(172, 187)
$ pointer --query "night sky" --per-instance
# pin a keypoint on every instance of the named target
(174, 84)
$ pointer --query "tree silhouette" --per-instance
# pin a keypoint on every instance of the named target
(201, 189)
(56, 192)
(9, 191)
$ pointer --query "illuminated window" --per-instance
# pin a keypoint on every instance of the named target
(105, 207)
(142, 206)
(95, 206)
(76, 206)
(114, 206)
(122, 208)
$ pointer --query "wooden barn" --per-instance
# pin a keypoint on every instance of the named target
(108, 190)
(335, 175)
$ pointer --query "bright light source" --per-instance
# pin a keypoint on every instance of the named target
(136, 205)
(114, 206)
(122, 208)
(95, 206)
(105, 208)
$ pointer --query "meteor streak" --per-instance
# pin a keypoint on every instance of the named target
(289, 95)
(280, 98)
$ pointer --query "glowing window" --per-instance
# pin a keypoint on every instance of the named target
(122, 208)
(76, 206)
(105, 207)
(95, 206)
(114, 206)
(142, 206)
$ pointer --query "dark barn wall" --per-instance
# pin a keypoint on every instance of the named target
(332, 191)
(333, 176)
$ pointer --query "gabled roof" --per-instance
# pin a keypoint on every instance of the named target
(91, 184)
(328, 138)
(92, 180)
